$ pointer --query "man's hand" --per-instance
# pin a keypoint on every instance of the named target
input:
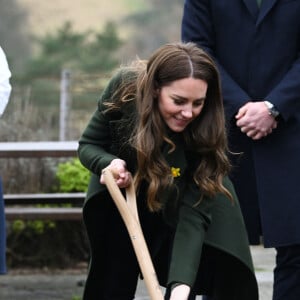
(120, 173)
(255, 121)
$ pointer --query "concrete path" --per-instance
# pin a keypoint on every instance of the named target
(264, 263)
(45, 285)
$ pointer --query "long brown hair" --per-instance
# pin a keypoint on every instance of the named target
(206, 135)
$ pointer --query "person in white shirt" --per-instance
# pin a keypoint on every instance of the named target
(5, 86)
(5, 90)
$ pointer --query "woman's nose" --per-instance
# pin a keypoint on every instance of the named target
(187, 113)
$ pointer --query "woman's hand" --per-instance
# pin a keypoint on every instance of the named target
(120, 173)
(180, 292)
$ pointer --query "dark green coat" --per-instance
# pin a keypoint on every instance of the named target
(216, 223)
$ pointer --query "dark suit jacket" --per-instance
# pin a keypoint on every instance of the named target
(258, 54)
(216, 222)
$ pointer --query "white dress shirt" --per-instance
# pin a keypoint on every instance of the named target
(5, 87)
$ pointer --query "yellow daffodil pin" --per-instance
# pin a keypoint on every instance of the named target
(175, 172)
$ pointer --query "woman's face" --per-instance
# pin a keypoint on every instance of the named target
(181, 102)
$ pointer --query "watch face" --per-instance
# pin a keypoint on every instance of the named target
(274, 112)
(272, 109)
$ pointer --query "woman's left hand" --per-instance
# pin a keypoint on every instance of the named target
(180, 292)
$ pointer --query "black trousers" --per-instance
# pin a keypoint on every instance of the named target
(113, 271)
(287, 273)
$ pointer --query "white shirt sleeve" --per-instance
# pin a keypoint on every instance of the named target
(5, 87)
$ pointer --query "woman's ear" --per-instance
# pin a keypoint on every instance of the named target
(156, 93)
(156, 89)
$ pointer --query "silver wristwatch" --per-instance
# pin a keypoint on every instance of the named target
(272, 109)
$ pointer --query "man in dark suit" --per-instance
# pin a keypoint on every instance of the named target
(256, 45)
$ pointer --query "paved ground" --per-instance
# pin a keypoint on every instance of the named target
(264, 262)
(45, 285)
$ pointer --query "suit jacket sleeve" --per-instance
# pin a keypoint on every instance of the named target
(285, 95)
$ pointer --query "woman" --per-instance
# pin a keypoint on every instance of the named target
(163, 122)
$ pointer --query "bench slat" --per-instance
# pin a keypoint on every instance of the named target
(38, 149)
(48, 198)
(44, 213)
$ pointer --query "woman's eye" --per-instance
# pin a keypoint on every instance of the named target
(178, 101)
(198, 103)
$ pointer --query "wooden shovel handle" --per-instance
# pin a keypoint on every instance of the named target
(129, 214)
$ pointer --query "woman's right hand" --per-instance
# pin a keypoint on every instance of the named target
(122, 176)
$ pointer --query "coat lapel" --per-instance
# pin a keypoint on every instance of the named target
(259, 14)
(266, 6)
(252, 7)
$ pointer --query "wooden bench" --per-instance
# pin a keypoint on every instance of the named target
(25, 206)
(20, 206)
